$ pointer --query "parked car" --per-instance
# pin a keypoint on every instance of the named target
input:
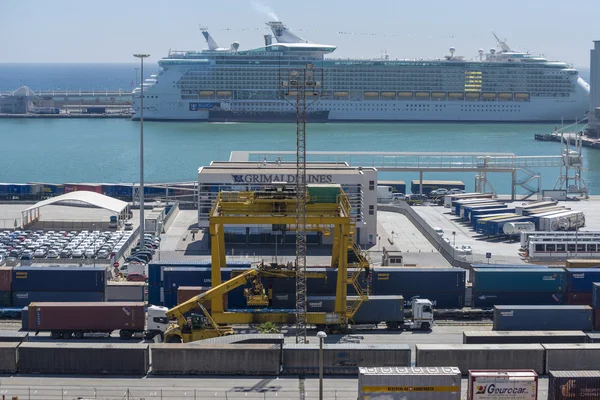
(136, 277)
(128, 226)
(467, 249)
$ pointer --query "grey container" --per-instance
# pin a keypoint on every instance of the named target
(377, 309)
(551, 318)
(574, 385)
(13, 336)
(342, 359)
(83, 358)
(8, 358)
(596, 295)
(409, 383)
(482, 356)
(126, 291)
(507, 337)
(572, 357)
(216, 359)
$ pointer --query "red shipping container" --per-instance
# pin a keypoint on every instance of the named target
(76, 187)
(99, 317)
(579, 299)
(6, 279)
(184, 293)
(597, 319)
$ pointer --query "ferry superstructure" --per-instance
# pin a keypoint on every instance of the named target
(229, 84)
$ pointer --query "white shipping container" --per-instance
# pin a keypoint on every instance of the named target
(409, 383)
(502, 385)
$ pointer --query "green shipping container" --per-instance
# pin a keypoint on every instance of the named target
(518, 280)
(324, 193)
(5, 299)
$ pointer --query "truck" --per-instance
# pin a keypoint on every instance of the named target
(78, 320)
(384, 193)
(380, 309)
(114, 222)
(514, 229)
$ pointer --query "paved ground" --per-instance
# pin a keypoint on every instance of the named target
(503, 251)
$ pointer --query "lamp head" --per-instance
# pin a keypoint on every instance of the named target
(321, 335)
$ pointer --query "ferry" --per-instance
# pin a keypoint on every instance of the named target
(230, 84)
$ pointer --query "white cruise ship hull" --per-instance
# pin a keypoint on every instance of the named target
(536, 110)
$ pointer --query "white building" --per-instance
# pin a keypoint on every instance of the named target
(360, 184)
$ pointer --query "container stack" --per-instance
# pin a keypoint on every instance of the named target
(5, 286)
(57, 284)
(579, 285)
(508, 286)
(596, 305)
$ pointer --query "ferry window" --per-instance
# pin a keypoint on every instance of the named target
(591, 247)
(550, 247)
(571, 247)
(560, 247)
(539, 247)
(581, 247)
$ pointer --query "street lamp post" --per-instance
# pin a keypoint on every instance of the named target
(454, 245)
(93, 229)
(321, 335)
(142, 219)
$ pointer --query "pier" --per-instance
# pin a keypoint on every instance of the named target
(593, 143)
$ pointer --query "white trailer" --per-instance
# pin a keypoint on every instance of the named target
(502, 384)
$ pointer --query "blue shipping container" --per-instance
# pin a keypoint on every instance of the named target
(156, 275)
(494, 212)
(424, 281)
(596, 295)
(495, 227)
(490, 299)
(154, 296)
(59, 279)
(518, 280)
(581, 280)
(467, 210)
(547, 318)
(439, 300)
(24, 298)
(519, 266)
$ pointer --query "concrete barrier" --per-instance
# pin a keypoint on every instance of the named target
(249, 338)
(342, 359)
(482, 356)
(216, 359)
(8, 357)
(83, 358)
(572, 357)
(170, 217)
(508, 337)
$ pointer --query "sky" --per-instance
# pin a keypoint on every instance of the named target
(57, 31)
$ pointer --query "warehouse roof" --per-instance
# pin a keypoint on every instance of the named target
(83, 196)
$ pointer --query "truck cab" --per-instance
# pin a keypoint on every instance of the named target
(422, 310)
(156, 321)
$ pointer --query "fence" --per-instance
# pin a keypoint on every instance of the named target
(85, 393)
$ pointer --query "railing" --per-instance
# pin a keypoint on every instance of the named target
(137, 393)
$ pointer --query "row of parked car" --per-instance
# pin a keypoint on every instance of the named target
(135, 267)
(26, 245)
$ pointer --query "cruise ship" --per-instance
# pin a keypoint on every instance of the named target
(230, 84)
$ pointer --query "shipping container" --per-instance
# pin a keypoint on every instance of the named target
(22, 299)
(535, 205)
(596, 295)
(8, 358)
(518, 280)
(6, 279)
(397, 186)
(5, 299)
(490, 299)
(597, 319)
(83, 187)
(59, 279)
(552, 318)
(582, 279)
(476, 215)
(579, 299)
(126, 291)
(342, 358)
(458, 204)
(574, 385)
(429, 185)
(154, 295)
(507, 383)
(156, 268)
(185, 293)
(450, 200)
(13, 336)
(496, 227)
(423, 281)
(513, 266)
(482, 356)
(84, 359)
(86, 317)
(122, 191)
(572, 356)
(582, 263)
(377, 309)
(50, 189)
(465, 212)
(481, 225)
(409, 383)
(508, 337)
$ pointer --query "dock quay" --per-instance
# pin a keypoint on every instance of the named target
(571, 137)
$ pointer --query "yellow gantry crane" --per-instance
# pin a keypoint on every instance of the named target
(327, 209)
